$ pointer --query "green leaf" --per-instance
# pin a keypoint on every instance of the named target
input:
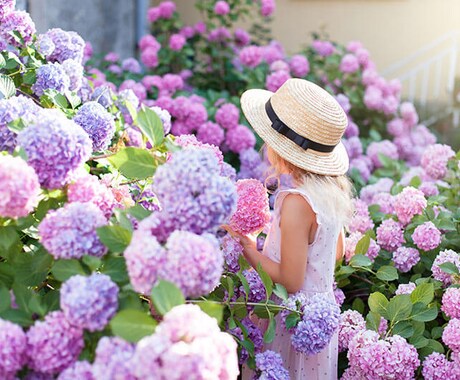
(422, 313)
(280, 291)
(373, 321)
(17, 316)
(378, 303)
(16, 125)
(261, 311)
(419, 341)
(62, 270)
(91, 262)
(132, 325)
(6, 274)
(449, 268)
(8, 237)
(166, 295)
(134, 163)
(51, 300)
(2, 62)
(7, 87)
(229, 285)
(387, 273)
(360, 261)
(292, 320)
(149, 122)
(399, 308)
(432, 346)
(5, 298)
(29, 77)
(363, 245)
(31, 269)
(115, 238)
(213, 309)
(270, 332)
(358, 305)
(404, 329)
(139, 212)
(115, 268)
(245, 284)
(423, 293)
(415, 182)
(436, 332)
(267, 281)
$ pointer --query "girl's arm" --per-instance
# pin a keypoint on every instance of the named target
(297, 221)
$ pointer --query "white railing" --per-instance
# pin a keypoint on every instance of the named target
(428, 76)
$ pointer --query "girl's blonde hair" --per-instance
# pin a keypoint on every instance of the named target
(332, 194)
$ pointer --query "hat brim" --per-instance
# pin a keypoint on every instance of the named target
(334, 163)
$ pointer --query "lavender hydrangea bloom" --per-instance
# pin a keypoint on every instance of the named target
(253, 334)
(446, 256)
(113, 359)
(53, 344)
(165, 118)
(295, 302)
(103, 95)
(257, 291)
(127, 96)
(51, 76)
(144, 256)
(232, 251)
(70, 232)
(20, 190)
(74, 71)
(319, 322)
(12, 348)
(269, 366)
(132, 65)
(405, 258)
(68, 45)
(193, 262)
(385, 148)
(32, 375)
(79, 370)
(98, 123)
(19, 22)
(405, 288)
(252, 165)
(6, 6)
(56, 147)
(89, 302)
(45, 45)
(192, 193)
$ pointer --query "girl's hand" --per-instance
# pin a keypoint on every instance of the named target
(247, 241)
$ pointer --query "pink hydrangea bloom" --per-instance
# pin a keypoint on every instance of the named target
(385, 148)
(227, 116)
(349, 64)
(451, 302)
(390, 235)
(251, 56)
(275, 80)
(210, 133)
(252, 211)
(385, 201)
(352, 129)
(221, 8)
(361, 166)
(177, 42)
(149, 41)
(409, 113)
(408, 203)
(299, 65)
(437, 367)
(220, 34)
(370, 77)
(446, 256)
(383, 185)
(279, 65)
(240, 138)
(427, 236)
(323, 48)
(353, 146)
(390, 105)
(167, 9)
(273, 52)
(373, 98)
(350, 246)
(434, 160)
(351, 321)
(405, 288)
(267, 7)
(396, 127)
(353, 46)
(153, 14)
(361, 220)
(405, 258)
(242, 38)
(20, 190)
(451, 334)
(112, 57)
(149, 57)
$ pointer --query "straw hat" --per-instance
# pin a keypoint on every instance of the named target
(303, 123)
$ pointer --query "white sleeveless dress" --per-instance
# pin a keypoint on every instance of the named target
(319, 278)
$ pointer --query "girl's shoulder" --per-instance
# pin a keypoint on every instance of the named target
(282, 194)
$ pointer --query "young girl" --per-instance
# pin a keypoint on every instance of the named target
(302, 125)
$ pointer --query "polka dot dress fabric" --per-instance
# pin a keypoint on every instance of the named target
(319, 278)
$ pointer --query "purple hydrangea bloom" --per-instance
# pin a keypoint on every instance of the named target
(132, 65)
(53, 344)
(385, 201)
(319, 322)
(446, 256)
(193, 262)
(383, 185)
(20, 190)
(351, 322)
(295, 302)
(68, 45)
(339, 295)
(390, 235)
(89, 302)
(451, 334)
(240, 138)
(408, 203)
(113, 359)
(97, 122)
(405, 288)
(146, 197)
(405, 258)
(221, 8)
(51, 76)
(253, 334)
(56, 147)
(144, 256)
(269, 366)
(451, 302)
(228, 171)
(70, 232)
(45, 45)
(103, 95)
(299, 65)
(232, 251)
(252, 165)
(227, 116)
(210, 133)
(19, 22)
(385, 148)
(373, 358)
(276, 79)
(12, 349)
(74, 71)
(127, 96)
(81, 370)
(32, 375)
(323, 48)
(257, 291)
(251, 56)
(427, 236)
(192, 193)
(6, 6)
